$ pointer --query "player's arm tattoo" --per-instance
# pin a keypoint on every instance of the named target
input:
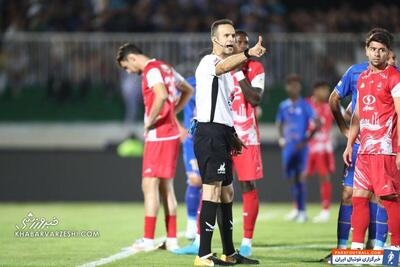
(347, 114)
(334, 103)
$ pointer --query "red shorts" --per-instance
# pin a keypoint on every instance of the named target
(322, 163)
(248, 165)
(377, 173)
(160, 158)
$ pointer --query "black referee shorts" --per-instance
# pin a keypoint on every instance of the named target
(213, 152)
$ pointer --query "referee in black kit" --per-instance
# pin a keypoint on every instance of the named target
(215, 140)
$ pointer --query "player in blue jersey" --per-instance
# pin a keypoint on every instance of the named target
(193, 189)
(293, 120)
(347, 86)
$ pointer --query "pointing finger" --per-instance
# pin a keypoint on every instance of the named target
(259, 40)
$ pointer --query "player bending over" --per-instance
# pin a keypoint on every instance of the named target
(159, 84)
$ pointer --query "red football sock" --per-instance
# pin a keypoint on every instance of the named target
(149, 227)
(170, 224)
(360, 218)
(250, 212)
(326, 194)
(393, 210)
(198, 214)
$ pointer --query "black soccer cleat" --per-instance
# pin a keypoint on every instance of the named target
(211, 260)
(239, 259)
(327, 259)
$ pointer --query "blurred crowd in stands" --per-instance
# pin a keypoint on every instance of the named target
(197, 15)
(67, 69)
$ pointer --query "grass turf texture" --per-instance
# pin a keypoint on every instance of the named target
(276, 242)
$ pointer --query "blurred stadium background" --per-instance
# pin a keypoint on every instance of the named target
(64, 104)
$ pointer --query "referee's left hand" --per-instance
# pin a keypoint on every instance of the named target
(258, 50)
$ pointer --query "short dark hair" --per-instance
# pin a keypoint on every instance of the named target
(125, 50)
(293, 77)
(380, 35)
(237, 32)
(214, 26)
(319, 84)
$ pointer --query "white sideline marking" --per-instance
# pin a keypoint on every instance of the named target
(123, 254)
(127, 253)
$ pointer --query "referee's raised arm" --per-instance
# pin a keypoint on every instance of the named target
(233, 61)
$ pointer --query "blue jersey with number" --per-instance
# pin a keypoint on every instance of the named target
(295, 118)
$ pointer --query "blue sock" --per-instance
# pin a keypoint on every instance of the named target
(344, 224)
(372, 222)
(192, 199)
(381, 227)
(301, 195)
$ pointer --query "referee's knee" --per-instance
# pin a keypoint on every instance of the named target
(212, 192)
(227, 194)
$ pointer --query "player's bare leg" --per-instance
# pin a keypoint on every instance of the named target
(250, 211)
(170, 205)
(326, 194)
(150, 188)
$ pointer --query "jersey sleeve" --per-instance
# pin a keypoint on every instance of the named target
(178, 78)
(153, 77)
(343, 88)
(208, 65)
(257, 75)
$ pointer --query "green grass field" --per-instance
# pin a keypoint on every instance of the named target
(276, 242)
